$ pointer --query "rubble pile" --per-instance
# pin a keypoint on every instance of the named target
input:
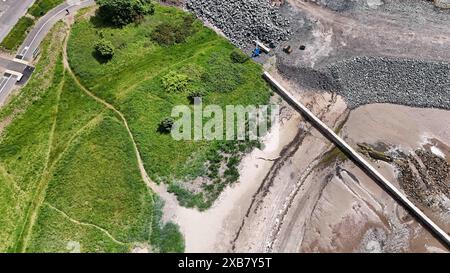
(243, 21)
(365, 80)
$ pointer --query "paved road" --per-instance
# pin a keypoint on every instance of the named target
(6, 85)
(31, 44)
(10, 13)
(44, 25)
(9, 64)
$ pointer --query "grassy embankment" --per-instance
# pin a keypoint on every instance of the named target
(69, 178)
(132, 82)
(68, 172)
(20, 30)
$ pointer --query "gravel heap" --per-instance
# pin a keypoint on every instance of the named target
(415, 83)
(367, 80)
(243, 21)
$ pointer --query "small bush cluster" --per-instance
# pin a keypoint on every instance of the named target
(123, 12)
(166, 125)
(104, 49)
(237, 56)
(41, 7)
(195, 93)
(175, 82)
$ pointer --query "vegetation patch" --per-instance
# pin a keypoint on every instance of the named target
(166, 237)
(335, 155)
(237, 56)
(17, 34)
(24, 142)
(146, 79)
(20, 30)
(166, 34)
(104, 50)
(123, 12)
(41, 7)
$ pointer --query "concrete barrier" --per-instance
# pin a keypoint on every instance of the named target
(263, 47)
(361, 162)
(15, 73)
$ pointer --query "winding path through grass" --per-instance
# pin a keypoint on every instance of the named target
(143, 172)
(38, 198)
(85, 224)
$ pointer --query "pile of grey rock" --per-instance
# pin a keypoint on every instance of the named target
(367, 80)
(415, 83)
(243, 21)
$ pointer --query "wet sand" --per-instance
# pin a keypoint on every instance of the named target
(352, 213)
(398, 125)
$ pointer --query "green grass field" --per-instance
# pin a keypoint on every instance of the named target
(69, 175)
(131, 81)
(24, 143)
(69, 178)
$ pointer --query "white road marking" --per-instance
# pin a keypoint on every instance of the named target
(5, 81)
(50, 19)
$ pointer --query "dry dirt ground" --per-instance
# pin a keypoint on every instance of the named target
(378, 31)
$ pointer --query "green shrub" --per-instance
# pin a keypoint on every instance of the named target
(175, 82)
(166, 125)
(123, 12)
(172, 241)
(195, 93)
(238, 56)
(104, 49)
(166, 34)
(165, 237)
(41, 7)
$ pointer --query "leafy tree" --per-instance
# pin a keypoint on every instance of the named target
(175, 82)
(104, 49)
(124, 12)
(166, 125)
(238, 56)
(172, 240)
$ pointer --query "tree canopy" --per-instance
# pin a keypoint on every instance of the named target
(104, 49)
(124, 12)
